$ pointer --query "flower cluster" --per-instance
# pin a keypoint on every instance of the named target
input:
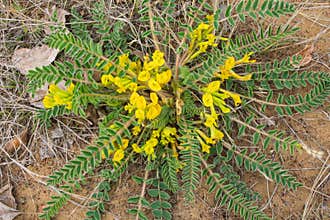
(153, 74)
(149, 147)
(142, 109)
(140, 83)
(164, 137)
(226, 70)
(58, 97)
(118, 152)
(202, 38)
(122, 83)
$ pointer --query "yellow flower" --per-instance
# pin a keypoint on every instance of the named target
(141, 102)
(153, 110)
(210, 18)
(136, 148)
(135, 66)
(221, 104)
(205, 137)
(210, 120)
(136, 130)
(157, 61)
(207, 99)
(154, 85)
(57, 96)
(49, 101)
(129, 108)
(123, 60)
(205, 148)
(149, 150)
(140, 115)
(133, 87)
(106, 79)
(213, 86)
(152, 142)
(121, 83)
(164, 77)
(153, 97)
(118, 156)
(234, 96)
(211, 39)
(167, 135)
(158, 58)
(149, 66)
(133, 98)
(246, 59)
(155, 134)
(124, 144)
(144, 76)
(226, 70)
(216, 134)
(229, 63)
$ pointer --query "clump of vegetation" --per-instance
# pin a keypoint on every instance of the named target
(182, 107)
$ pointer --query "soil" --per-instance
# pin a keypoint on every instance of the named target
(311, 201)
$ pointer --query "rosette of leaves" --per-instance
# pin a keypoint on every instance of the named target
(182, 109)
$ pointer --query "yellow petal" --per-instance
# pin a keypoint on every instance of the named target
(222, 105)
(153, 110)
(154, 85)
(164, 77)
(213, 86)
(134, 98)
(124, 144)
(230, 63)
(70, 88)
(136, 148)
(205, 148)
(205, 137)
(246, 59)
(216, 134)
(207, 99)
(136, 130)
(152, 142)
(141, 102)
(153, 97)
(139, 114)
(242, 78)
(123, 60)
(118, 156)
(49, 101)
(144, 76)
(210, 121)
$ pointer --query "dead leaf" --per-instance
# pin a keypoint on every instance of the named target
(16, 142)
(36, 100)
(6, 196)
(25, 59)
(60, 15)
(306, 55)
(7, 213)
(7, 203)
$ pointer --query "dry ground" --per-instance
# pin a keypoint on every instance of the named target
(49, 149)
